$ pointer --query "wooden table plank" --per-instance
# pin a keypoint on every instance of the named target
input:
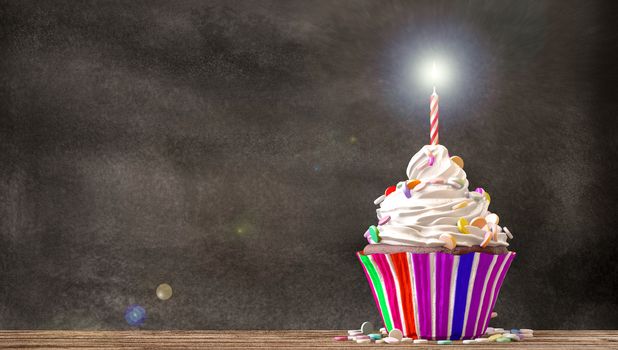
(296, 340)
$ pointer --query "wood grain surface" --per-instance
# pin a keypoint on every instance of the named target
(581, 339)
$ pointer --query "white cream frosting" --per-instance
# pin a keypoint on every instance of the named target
(429, 213)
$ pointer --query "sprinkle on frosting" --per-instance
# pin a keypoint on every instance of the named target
(434, 202)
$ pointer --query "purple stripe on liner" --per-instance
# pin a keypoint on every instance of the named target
(479, 280)
(510, 258)
(390, 287)
(486, 298)
(444, 267)
(422, 281)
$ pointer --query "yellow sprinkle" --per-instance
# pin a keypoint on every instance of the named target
(494, 337)
(461, 225)
(460, 205)
(487, 197)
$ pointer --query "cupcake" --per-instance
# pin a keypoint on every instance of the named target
(437, 257)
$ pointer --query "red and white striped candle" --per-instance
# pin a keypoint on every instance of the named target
(434, 117)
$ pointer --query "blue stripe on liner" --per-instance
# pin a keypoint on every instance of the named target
(461, 294)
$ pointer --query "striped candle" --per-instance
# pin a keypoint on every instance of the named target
(438, 295)
(434, 118)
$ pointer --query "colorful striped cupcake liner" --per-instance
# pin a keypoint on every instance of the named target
(437, 295)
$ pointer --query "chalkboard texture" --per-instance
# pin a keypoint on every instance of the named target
(233, 150)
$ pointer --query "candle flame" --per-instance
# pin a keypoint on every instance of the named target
(434, 73)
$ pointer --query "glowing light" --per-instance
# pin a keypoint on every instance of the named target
(135, 315)
(434, 73)
(164, 291)
(243, 229)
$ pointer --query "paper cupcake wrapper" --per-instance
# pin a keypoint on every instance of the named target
(437, 295)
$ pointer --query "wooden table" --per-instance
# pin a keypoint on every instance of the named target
(273, 340)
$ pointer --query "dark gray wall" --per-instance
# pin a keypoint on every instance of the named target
(210, 145)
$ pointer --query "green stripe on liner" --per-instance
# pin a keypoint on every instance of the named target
(377, 286)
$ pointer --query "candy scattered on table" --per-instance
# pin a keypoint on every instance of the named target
(479, 190)
(368, 334)
(494, 337)
(367, 327)
(511, 336)
(494, 314)
(391, 340)
(396, 333)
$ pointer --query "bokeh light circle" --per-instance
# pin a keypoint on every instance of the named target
(135, 315)
(164, 291)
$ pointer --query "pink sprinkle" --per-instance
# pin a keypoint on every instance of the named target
(479, 190)
(341, 338)
(431, 160)
(384, 220)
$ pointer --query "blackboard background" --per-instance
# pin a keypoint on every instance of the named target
(233, 149)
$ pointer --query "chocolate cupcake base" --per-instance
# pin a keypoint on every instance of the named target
(393, 249)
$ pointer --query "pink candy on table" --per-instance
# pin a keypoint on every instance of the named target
(341, 338)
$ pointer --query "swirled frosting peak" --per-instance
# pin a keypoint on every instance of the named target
(434, 207)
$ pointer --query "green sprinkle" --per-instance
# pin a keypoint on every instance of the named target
(445, 342)
(375, 233)
(375, 336)
(503, 340)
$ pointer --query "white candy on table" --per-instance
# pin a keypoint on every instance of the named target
(391, 340)
(396, 333)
